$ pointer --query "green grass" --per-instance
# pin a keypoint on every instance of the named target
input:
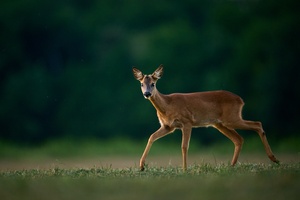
(207, 178)
(204, 181)
(66, 148)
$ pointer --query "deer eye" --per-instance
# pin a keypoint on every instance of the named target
(152, 84)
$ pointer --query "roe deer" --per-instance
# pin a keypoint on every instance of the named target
(219, 109)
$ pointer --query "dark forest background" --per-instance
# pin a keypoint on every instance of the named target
(65, 66)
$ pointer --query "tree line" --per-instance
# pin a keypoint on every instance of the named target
(65, 67)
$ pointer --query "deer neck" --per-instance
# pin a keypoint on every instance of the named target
(159, 101)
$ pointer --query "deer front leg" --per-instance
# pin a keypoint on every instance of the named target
(161, 132)
(186, 136)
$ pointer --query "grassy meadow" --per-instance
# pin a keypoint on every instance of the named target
(204, 181)
(109, 170)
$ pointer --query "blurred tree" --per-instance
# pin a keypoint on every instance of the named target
(65, 67)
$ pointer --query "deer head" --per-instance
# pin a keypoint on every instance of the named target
(148, 82)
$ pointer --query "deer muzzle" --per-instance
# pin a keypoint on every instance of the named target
(147, 95)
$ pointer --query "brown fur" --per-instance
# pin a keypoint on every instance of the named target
(219, 109)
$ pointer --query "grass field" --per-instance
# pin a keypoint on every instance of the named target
(86, 171)
(205, 181)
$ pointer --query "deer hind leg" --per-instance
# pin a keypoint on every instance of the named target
(235, 138)
(257, 127)
(161, 132)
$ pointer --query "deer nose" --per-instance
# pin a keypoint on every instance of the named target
(147, 94)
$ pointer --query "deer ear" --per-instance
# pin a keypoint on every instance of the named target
(157, 74)
(137, 74)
